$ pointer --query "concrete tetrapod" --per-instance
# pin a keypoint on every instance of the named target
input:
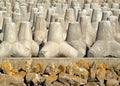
(115, 24)
(1, 20)
(96, 18)
(50, 11)
(30, 6)
(94, 5)
(22, 46)
(58, 9)
(24, 13)
(69, 16)
(81, 2)
(1, 23)
(89, 34)
(117, 29)
(16, 18)
(115, 12)
(56, 46)
(74, 38)
(76, 7)
(105, 44)
(33, 10)
(9, 38)
(106, 15)
(40, 33)
(25, 36)
(87, 6)
(62, 22)
(97, 15)
(115, 5)
(16, 7)
(5, 21)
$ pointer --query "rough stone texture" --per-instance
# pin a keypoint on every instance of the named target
(40, 72)
(50, 78)
(69, 79)
(56, 83)
(112, 82)
(93, 71)
(91, 84)
(39, 67)
(50, 68)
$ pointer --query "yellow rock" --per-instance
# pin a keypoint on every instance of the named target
(51, 68)
(13, 72)
(7, 66)
(27, 66)
(2, 76)
(39, 67)
(84, 63)
(62, 69)
(52, 77)
(22, 73)
(101, 73)
(118, 67)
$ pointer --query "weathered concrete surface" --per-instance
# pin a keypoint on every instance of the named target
(19, 62)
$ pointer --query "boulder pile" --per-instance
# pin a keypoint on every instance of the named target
(59, 28)
(79, 73)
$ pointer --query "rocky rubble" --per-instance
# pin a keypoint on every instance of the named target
(80, 73)
(59, 28)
